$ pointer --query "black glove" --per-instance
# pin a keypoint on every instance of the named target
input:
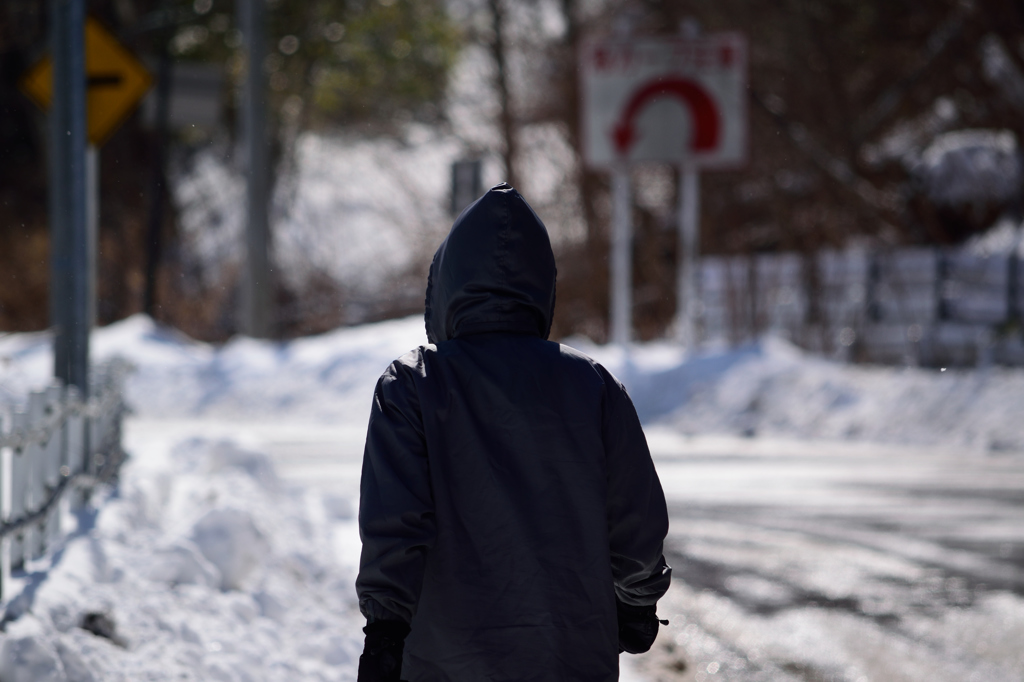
(638, 626)
(382, 651)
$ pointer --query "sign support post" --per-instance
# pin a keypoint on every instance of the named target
(256, 277)
(156, 199)
(89, 83)
(59, 165)
(621, 257)
(71, 300)
(679, 100)
(687, 273)
(92, 229)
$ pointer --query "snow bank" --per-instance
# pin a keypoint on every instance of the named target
(773, 388)
(968, 167)
(1005, 237)
(322, 378)
(207, 570)
(770, 387)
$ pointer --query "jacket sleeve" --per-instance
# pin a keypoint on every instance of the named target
(637, 514)
(396, 508)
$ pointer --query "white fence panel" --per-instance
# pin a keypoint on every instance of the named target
(904, 305)
(905, 287)
(779, 300)
(20, 504)
(843, 287)
(52, 454)
(976, 289)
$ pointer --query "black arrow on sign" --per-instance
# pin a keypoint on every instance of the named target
(103, 80)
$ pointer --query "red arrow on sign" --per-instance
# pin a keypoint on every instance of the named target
(707, 124)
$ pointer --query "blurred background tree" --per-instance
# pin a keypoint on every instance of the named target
(845, 98)
(350, 62)
(368, 65)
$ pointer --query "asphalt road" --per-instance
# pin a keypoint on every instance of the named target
(793, 560)
(840, 561)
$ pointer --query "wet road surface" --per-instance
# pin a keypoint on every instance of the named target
(839, 561)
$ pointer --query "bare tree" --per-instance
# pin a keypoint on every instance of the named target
(506, 119)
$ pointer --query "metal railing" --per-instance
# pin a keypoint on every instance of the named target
(918, 304)
(53, 452)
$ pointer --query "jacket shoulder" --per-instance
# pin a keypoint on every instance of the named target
(411, 364)
(579, 357)
(573, 355)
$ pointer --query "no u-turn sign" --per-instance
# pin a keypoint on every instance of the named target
(675, 100)
(665, 99)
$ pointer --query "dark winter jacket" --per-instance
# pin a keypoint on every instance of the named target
(508, 495)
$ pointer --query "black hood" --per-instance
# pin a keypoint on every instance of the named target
(495, 272)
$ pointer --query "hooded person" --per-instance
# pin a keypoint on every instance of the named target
(511, 518)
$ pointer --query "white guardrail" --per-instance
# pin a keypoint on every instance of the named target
(940, 306)
(52, 453)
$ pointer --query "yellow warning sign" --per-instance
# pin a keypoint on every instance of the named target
(115, 82)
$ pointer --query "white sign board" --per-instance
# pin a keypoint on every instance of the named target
(665, 99)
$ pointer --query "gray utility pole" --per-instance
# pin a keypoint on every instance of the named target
(467, 185)
(687, 274)
(70, 277)
(156, 199)
(621, 257)
(256, 289)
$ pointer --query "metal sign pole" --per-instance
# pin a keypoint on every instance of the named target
(153, 245)
(256, 279)
(92, 229)
(71, 265)
(59, 83)
(60, 264)
(79, 289)
(689, 245)
(621, 258)
(467, 185)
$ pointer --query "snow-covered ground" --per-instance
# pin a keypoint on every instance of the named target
(229, 550)
(765, 388)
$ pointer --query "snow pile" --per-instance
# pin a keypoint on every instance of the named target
(773, 388)
(907, 139)
(203, 567)
(970, 167)
(770, 387)
(1000, 70)
(322, 378)
(1004, 238)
